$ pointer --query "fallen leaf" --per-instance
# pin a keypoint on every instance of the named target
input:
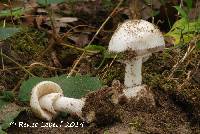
(39, 20)
(79, 40)
(82, 40)
(66, 19)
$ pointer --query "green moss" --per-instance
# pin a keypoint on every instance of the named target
(28, 42)
(181, 87)
(115, 72)
(136, 123)
(22, 48)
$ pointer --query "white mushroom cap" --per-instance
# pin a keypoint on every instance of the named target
(41, 89)
(139, 36)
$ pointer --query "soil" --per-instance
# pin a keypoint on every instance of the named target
(134, 117)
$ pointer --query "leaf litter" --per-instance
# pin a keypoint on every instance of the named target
(166, 117)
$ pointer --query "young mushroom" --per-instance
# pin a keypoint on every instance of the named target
(136, 40)
(47, 101)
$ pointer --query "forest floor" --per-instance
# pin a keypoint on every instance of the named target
(176, 111)
(176, 89)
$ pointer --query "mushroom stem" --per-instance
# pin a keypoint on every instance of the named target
(56, 102)
(69, 105)
(133, 76)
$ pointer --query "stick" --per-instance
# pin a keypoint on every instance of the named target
(82, 55)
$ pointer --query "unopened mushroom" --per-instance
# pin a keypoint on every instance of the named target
(137, 40)
(47, 101)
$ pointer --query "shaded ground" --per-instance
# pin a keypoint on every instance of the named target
(183, 87)
(134, 117)
(177, 109)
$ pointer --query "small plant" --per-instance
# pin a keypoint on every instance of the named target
(14, 12)
(184, 30)
(184, 12)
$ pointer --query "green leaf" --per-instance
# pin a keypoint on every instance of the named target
(8, 113)
(47, 2)
(108, 54)
(183, 30)
(100, 49)
(198, 44)
(8, 95)
(79, 86)
(189, 4)
(8, 32)
(1, 131)
(75, 87)
(3, 102)
(181, 11)
(95, 48)
(17, 12)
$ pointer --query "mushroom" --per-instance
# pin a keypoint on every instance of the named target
(47, 101)
(137, 39)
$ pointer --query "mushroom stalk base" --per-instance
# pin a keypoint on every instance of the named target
(133, 92)
(133, 76)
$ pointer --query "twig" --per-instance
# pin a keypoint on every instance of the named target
(191, 47)
(65, 34)
(53, 23)
(33, 64)
(17, 64)
(189, 77)
(2, 61)
(82, 55)
(50, 46)
(44, 65)
(135, 8)
(11, 13)
(78, 48)
(104, 74)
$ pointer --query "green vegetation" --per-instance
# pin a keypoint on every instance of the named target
(74, 87)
